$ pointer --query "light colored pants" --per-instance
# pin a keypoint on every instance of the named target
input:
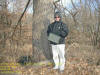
(59, 55)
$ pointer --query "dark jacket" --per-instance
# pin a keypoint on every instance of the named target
(59, 28)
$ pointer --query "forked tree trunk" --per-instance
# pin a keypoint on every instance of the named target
(42, 16)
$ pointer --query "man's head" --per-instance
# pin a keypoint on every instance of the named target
(57, 16)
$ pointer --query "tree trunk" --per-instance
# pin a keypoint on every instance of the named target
(42, 16)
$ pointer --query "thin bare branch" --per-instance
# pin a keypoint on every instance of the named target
(73, 4)
(18, 23)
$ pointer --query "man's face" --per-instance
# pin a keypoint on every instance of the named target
(57, 18)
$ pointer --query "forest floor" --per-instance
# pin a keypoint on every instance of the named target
(78, 62)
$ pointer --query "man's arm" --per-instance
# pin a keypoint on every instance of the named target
(48, 30)
(64, 31)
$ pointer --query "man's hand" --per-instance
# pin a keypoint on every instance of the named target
(65, 38)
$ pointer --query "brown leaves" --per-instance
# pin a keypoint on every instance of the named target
(74, 66)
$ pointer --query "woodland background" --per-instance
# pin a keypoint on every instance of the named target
(23, 26)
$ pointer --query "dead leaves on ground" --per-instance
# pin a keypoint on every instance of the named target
(74, 66)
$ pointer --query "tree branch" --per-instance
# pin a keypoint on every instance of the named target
(55, 4)
(19, 21)
(73, 4)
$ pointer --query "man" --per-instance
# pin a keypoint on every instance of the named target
(58, 49)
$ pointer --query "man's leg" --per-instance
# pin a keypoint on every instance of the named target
(55, 56)
(62, 56)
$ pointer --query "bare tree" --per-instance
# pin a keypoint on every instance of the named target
(42, 15)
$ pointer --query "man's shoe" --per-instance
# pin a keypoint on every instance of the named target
(55, 68)
(61, 71)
